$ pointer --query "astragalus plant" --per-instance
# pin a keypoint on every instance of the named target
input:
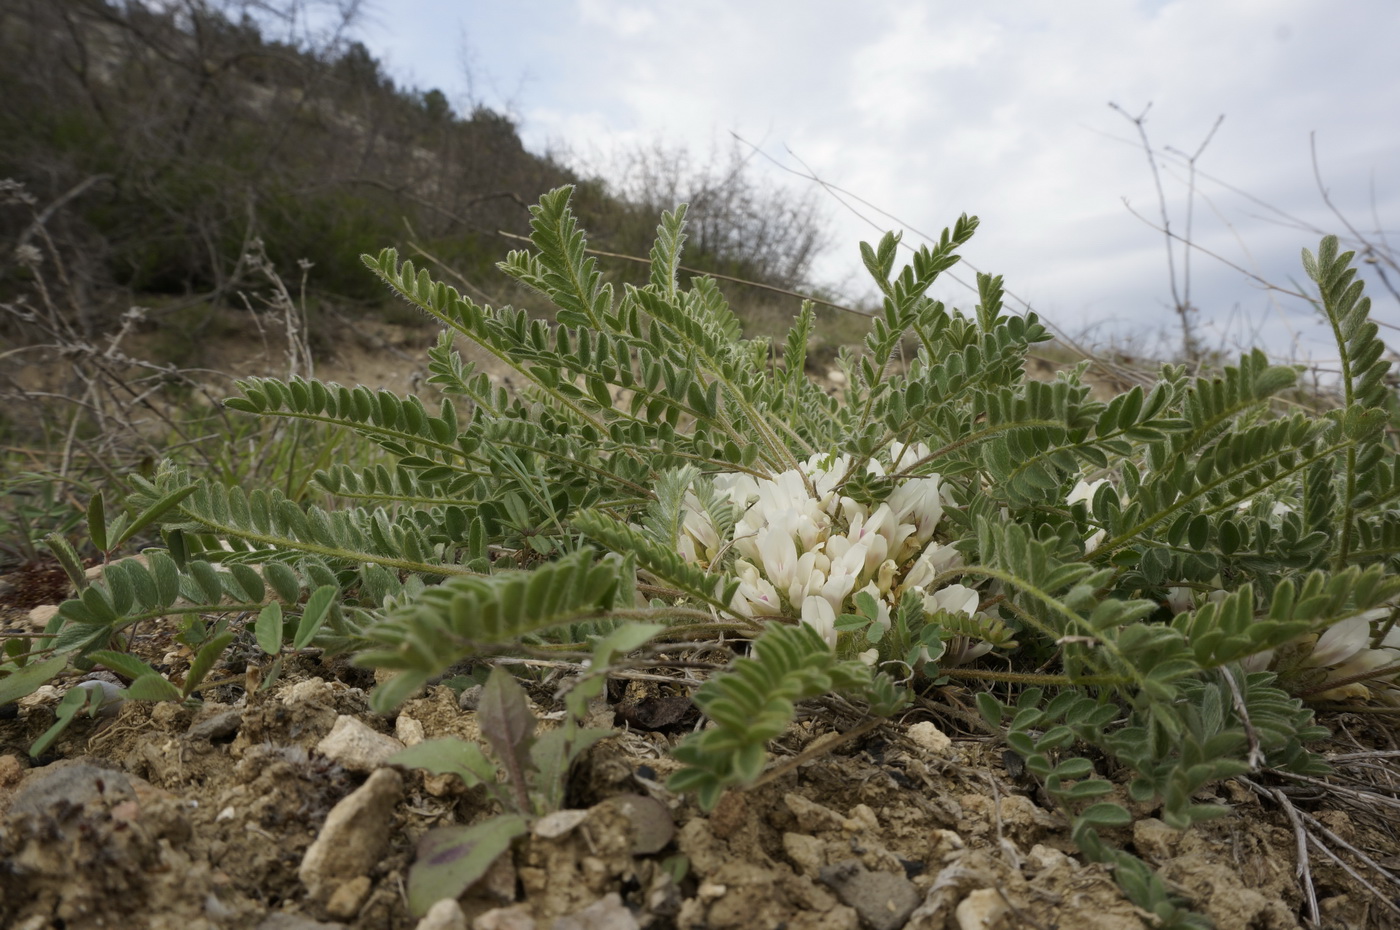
(1135, 587)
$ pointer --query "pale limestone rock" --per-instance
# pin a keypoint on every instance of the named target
(607, 913)
(811, 816)
(980, 910)
(305, 692)
(806, 852)
(517, 917)
(1155, 839)
(347, 899)
(356, 746)
(408, 730)
(929, 738)
(1043, 857)
(444, 915)
(355, 835)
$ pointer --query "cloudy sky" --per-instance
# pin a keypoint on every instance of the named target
(930, 109)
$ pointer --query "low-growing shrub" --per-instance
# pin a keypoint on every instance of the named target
(1144, 586)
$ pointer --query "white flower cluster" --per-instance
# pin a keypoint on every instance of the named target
(811, 555)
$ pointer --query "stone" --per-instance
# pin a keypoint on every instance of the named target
(470, 697)
(652, 826)
(108, 695)
(444, 915)
(806, 852)
(218, 726)
(883, 900)
(811, 816)
(11, 770)
(357, 747)
(38, 618)
(1043, 857)
(980, 910)
(355, 836)
(1154, 839)
(347, 899)
(408, 731)
(498, 884)
(607, 913)
(517, 917)
(65, 783)
(280, 921)
(312, 690)
(929, 738)
(558, 823)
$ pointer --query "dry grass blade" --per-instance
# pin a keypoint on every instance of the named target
(1365, 787)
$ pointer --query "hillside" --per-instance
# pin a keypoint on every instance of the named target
(157, 145)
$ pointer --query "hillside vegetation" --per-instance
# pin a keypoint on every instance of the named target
(158, 143)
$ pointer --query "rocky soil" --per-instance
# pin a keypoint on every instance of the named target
(273, 808)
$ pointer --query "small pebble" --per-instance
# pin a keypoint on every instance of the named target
(356, 746)
(444, 915)
(219, 726)
(409, 731)
(980, 910)
(347, 899)
(470, 697)
(883, 900)
(929, 738)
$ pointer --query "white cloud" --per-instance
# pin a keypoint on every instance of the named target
(928, 110)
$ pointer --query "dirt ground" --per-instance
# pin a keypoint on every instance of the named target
(240, 812)
(208, 816)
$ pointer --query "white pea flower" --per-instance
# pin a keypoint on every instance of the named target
(1084, 492)
(919, 502)
(903, 456)
(884, 576)
(807, 579)
(866, 530)
(699, 539)
(1180, 600)
(778, 554)
(819, 615)
(827, 471)
(1279, 508)
(955, 599)
(1341, 641)
(740, 487)
(756, 596)
(1344, 649)
(934, 559)
(958, 599)
(847, 564)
